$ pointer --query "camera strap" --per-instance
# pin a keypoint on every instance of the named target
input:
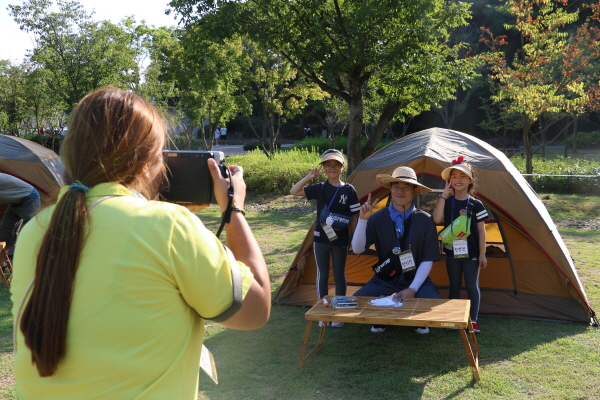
(227, 214)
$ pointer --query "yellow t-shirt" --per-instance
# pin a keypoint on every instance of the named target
(148, 270)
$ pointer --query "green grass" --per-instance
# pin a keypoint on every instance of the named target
(519, 358)
(6, 345)
(576, 206)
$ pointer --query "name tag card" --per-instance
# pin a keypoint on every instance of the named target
(407, 261)
(329, 232)
(207, 363)
(461, 249)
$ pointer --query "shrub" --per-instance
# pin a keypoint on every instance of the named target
(182, 143)
(51, 142)
(320, 144)
(585, 140)
(256, 146)
(563, 166)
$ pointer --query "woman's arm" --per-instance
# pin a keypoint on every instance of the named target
(256, 307)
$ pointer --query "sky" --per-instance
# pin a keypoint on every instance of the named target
(14, 43)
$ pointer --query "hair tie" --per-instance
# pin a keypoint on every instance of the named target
(79, 186)
(458, 160)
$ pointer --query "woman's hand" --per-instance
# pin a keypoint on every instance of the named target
(367, 208)
(221, 185)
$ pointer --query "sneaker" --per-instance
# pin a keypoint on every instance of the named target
(337, 324)
(475, 327)
(378, 328)
(422, 330)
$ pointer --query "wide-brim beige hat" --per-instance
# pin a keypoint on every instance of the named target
(333, 154)
(461, 167)
(402, 174)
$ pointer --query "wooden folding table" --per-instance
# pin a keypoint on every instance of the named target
(5, 263)
(432, 313)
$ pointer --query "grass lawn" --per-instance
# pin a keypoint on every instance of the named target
(519, 358)
(584, 154)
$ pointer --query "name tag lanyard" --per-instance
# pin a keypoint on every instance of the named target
(459, 247)
(398, 250)
(406, 258)
(333, 198)
(327, 225)
(452, 214)
(330, 203)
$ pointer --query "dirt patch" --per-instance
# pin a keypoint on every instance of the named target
(573, 223)
(282, 205)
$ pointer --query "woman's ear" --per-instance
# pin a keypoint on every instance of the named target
(146, 171)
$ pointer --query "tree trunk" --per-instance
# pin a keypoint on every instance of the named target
(528, 150)
(354, 131)
(575, 134)
(543, 138)
(390, 109)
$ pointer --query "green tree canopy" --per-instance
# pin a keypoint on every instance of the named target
(342, 45)
(80, 54)
(548, 77)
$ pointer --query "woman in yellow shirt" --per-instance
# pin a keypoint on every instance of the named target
(111, 289)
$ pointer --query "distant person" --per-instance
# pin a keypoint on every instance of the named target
(111, 289)
(224, 135)
(217, 136)
(337, 212)
(23, 201)
(405, 240)
(465, 249)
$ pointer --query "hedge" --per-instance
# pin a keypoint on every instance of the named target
(563, 166)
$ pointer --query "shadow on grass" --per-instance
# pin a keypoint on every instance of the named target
(357, 364)
(296, 225)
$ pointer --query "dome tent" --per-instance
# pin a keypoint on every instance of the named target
(32, 163)
(530, 272)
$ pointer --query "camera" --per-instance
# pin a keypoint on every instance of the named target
(189, 180)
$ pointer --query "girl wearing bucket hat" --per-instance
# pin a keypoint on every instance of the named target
(337, 211)
(464, 234)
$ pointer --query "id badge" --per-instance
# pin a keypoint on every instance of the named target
(407, 261)
(329, 232)
(461, 249)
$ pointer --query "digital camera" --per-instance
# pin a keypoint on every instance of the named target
(189, 180)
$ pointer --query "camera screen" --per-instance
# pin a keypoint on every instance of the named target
(189, 180)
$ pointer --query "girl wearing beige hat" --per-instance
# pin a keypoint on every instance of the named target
(465, 246)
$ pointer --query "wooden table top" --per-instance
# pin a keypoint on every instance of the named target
(434, 313)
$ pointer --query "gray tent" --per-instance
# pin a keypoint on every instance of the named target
(31, 162)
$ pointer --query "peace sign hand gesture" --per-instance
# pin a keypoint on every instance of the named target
(367, 208)
(314, 173)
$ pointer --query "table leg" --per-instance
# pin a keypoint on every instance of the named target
(473, 356)
(305, 342)
(5, 263)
